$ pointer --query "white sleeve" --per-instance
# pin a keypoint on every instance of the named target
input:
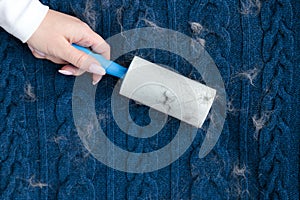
(21, 18)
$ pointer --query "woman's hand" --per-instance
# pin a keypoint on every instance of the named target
(53, 39)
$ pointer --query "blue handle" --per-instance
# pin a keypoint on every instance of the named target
(110, 67)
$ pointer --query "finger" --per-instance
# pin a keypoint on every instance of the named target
(81, 60)
(88, 38)
(95, 41)
(56, 60)
(84, 42)
(41, 55)
(96, 78)
(99, 45)
(103, 49)
(35, 54)
(71, 70)
(65, 72)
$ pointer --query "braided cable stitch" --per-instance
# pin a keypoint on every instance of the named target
(209, 21)
(274, 138)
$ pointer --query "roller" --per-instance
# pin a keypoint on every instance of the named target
(161, 89)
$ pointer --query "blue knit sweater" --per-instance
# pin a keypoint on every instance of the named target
(255, 45)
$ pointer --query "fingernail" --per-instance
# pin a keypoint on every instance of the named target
(30, 48)
(40, 53)
(97, 69)
(97, 81)
(65, 72)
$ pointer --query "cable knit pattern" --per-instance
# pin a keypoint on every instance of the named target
(210, 181)
(256, 48)
(141, 186)
(16, 166)
(274, 138)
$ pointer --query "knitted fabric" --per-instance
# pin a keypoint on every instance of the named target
(255, 45)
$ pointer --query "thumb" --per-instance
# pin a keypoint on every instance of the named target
(83, 61)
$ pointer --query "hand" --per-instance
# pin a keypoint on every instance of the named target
(53, 39)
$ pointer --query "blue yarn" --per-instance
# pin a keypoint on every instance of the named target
(212, 181)
(274, 165)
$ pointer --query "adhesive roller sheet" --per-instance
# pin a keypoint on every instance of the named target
(161, 89)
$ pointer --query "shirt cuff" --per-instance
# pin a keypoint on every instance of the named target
(21, 18)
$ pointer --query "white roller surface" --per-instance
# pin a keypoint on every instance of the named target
(168, 92)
